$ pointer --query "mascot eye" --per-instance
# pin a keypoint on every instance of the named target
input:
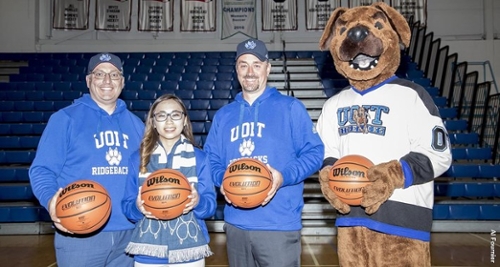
(379, 25)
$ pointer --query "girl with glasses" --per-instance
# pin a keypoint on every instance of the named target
(168, 142)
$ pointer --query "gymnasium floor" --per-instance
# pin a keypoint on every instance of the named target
(448, 249)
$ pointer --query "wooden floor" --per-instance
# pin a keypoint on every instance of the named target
(461, 249)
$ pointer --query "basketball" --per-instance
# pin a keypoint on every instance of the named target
(165, 193)
(247, 182)
(83, 206)
(348, 177)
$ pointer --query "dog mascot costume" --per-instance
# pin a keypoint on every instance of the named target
(393, 122)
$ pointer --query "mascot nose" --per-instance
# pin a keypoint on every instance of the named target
(358, 33)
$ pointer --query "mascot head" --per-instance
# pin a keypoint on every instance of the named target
(366, 42)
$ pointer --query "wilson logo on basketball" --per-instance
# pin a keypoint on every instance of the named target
(164, 197)
(347, 172)
(161, 180)
(75, 186)
(245, 184)
(243, 167)
(78, 202)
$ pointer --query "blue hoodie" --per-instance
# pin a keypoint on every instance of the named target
(82, 141)
(278, 131)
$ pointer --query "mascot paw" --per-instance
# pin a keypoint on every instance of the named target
(329, 194)
(385, 178)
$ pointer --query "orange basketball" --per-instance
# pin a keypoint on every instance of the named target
(348, 177)
(247, 182)
(83, 206)
(165, 193)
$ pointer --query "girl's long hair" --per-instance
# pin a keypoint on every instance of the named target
(151, 136)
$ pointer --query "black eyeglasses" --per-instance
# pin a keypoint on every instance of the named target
(163, 116)
(102, 75)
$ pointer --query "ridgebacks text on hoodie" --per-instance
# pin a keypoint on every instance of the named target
(278, 131)
(82, 141)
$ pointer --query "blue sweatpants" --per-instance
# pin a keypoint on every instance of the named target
(105, 249)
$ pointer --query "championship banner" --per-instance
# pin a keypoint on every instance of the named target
(279, 15)
(356, 3)
(156, 15)
(113, 15)
(318, 12)
(238, 17)
(198, 15)
(415, 8)
(71, 14)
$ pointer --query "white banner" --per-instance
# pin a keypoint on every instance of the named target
(71, 14)
(156, 15)
(355, 3)
(415, 8)
(113, 15)
(279, 15)
(238, 17)
(318, 12)
(198, 15)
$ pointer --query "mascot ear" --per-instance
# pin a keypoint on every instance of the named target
(398, 22)
(328, 32)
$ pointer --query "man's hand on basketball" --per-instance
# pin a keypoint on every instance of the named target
(53, 215)
(224, 194)
(329, 194)
(385, 177)
(195, 199)
(277, 182)
(140, 205)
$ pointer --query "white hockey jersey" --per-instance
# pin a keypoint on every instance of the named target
(395, 120)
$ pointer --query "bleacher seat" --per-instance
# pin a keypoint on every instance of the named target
(16, 192)
(211, 61)
(129, 95)
(133, 85)
(225, 76)
(187, 85)
(162, 69)
(221, 94)
(146, 69)
(218, 103)
(148, 95)
(79, 86)
(185, 93)
(223, 85)
(489, 171)
(202, 94)
(225, 68)
(176, 69)
(140, 105)
(17, 157)
(204, 85)
(138, 77)
(174, 76)
(209, 69)
(35, 95)
(156, 77)
(169, 85)
(464, 138)
(61, 86)
(14, 174)
(200, 104)
(198, 115)
(207, 76)
(54, 95)
(154, 85)
(455, 125)
(189, 76)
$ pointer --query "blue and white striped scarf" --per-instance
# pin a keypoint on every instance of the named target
(179, 239)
